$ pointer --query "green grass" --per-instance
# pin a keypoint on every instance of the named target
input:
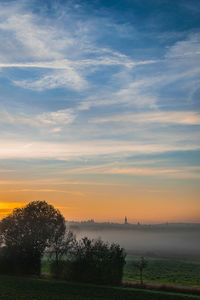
(174, 271)
(179, 272)
(15, 288)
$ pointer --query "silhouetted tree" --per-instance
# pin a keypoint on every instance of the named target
(141, 265)
(62, 245)
(60, 251)
(26, 233)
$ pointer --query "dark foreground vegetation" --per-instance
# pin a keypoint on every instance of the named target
(16, 288)
(91, 261)
(28, 232)
(38, 230)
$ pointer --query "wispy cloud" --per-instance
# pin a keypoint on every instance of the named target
(52, 182)
(54, 121)
(174, 117)
(43, 46)
(67, 79)
(60, 117)
(123, 169)
(35, 190)
(189, 48)
(40, 45)
(174, 173)
(47, 150)
(66, 64)
(6, 171)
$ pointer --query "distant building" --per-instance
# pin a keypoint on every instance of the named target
(88, 221)
(125, 220)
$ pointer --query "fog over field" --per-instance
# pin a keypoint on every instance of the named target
(159, 242)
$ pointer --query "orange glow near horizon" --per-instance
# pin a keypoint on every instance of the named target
(7, 207)
(108, 203)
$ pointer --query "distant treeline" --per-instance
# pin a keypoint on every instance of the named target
(91, 225)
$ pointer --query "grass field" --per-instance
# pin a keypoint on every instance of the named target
(14, 288)
(179, 272)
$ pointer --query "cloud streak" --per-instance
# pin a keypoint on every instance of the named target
(123, 169)
(47, 150)
(53, 121)
(174, 117)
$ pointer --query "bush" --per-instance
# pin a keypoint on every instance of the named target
(13, 262)
(97, 262)
(60, 270)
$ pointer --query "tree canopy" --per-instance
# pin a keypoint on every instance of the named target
(96, 261)
(26, 233)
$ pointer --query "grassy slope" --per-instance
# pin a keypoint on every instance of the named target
(179, 272)
(13, 288)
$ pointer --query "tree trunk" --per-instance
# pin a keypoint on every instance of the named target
(141, 277)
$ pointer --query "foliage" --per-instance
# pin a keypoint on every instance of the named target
(62, 245)
(61, 250)
(96, 261)
(26, 233)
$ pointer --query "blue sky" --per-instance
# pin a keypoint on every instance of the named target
(100, 92)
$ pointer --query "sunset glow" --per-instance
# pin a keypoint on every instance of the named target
(99, 109)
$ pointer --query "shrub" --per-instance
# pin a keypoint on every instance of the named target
(60, 269)
(14, 262)
(98, 262)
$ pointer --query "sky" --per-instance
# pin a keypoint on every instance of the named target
(100, 108)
